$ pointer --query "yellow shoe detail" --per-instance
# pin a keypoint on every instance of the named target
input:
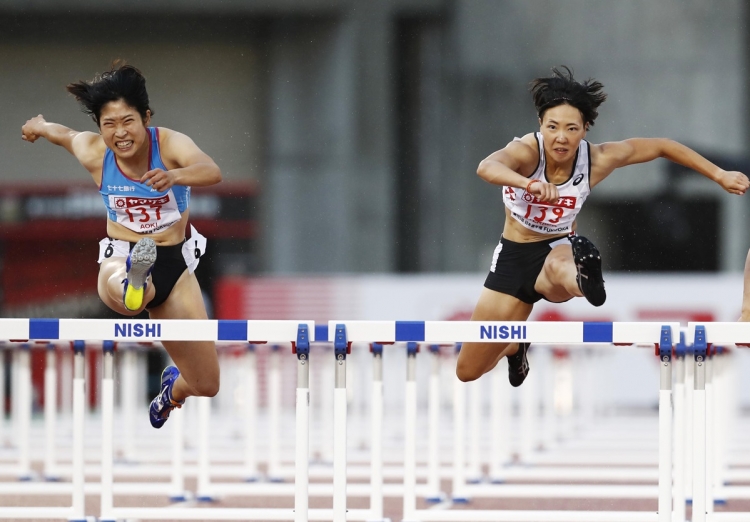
(133, 297)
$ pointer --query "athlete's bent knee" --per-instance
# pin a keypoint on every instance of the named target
(467, 374)
(555, 266)
(207, 388)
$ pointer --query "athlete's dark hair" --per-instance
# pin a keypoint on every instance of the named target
(121, 82)
(561, 88)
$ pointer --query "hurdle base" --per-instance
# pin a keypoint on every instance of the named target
(206, 498)
(436, 499)
(460, 500)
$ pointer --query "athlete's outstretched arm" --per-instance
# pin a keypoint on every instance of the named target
(640, 150)
(503, 167)
(37, 127)
(195, 168)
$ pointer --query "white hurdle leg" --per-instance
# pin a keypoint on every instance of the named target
(274, 415)
(339, 431)
(108, 432)
(24, 412)
(129, 396)
(724, 402)
(459, 441)
(251, 412)
(79, 409)
(530, 414)
(665, 431)
(50, 413)
(545, 361)
(433, 401)
(204, 459)
(710, 433)
(376, 428)
(410, 434)
(689, 425)
(302, 430)
(679, 439)
(699, 433)
(177, 424)
(475, 412)
(500, 445)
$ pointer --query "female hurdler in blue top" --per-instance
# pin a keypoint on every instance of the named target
(144, 175)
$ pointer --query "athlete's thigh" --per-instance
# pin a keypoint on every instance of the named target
(107, 268)
(557, 278)
(196, 360)
(492, 306)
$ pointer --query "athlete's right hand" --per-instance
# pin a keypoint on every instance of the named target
(545, 192)
(31, 131)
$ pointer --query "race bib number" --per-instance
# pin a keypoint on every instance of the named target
(550, 213)
(145, 215)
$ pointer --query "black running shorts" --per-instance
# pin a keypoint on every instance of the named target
(516, 267)
(169, 266)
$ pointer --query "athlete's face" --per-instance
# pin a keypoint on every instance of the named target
(123, 129)
(562, 129)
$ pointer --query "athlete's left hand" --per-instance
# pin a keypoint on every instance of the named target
(158, 179)
(734, 182)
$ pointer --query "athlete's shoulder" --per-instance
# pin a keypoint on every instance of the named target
(529, 140)
(525, 150)
(89, 149)
(89, 140)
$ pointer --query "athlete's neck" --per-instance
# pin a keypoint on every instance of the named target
(558, 172)
(137, 165)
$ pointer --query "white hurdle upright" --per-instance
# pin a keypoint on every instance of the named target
(706, 336)
(442, 332)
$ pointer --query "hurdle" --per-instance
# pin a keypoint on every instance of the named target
(344, 333)
(705, 337)
(294, 332)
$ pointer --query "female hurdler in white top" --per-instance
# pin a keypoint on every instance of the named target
(546, 177)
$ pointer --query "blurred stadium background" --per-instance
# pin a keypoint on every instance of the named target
(349, 132)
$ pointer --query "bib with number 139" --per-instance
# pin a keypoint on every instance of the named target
(558, 217)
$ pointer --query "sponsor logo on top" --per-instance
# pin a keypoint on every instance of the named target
(564, 201)
(503, 331)
(131, 202)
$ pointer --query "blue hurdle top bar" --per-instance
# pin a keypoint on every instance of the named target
(150, 330)
(547, 332)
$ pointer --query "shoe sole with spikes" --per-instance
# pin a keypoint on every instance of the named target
(139, 264)
(589, 270)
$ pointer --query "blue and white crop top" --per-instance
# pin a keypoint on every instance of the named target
(135, 205)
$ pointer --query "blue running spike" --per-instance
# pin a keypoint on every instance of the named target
(163, 404)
